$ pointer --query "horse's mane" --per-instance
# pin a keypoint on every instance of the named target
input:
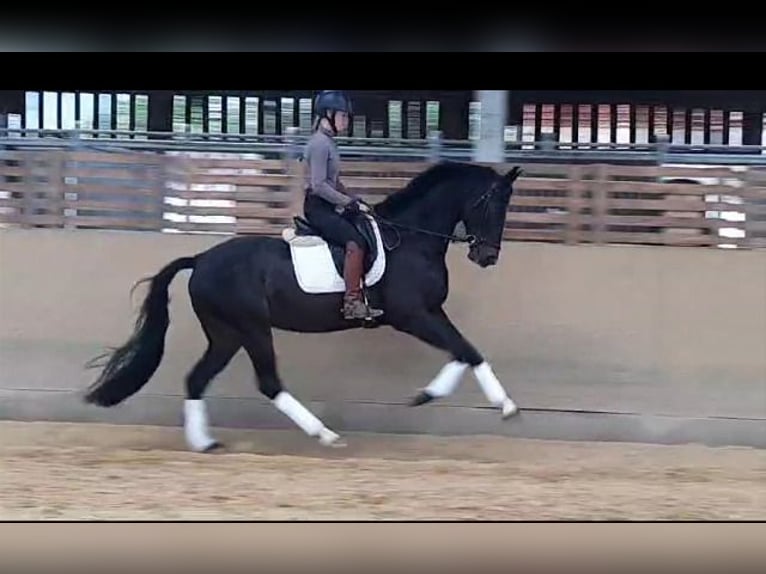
(426, 180)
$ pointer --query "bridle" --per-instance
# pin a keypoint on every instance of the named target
(484, 200)
(471, 240)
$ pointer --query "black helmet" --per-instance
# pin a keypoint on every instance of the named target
(331, 101)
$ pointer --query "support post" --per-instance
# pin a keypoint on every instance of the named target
(490, 146)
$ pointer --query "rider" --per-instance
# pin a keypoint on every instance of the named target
(328, 206)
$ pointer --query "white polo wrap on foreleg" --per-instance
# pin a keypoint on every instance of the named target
(493, 390)
(489, 384)
(447, 380)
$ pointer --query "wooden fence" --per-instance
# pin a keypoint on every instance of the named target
(226, 193)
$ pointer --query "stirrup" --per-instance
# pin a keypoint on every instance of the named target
(371, 313)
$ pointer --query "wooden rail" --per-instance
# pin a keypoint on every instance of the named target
(223, 193)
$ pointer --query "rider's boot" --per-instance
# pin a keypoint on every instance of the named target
(354, 305)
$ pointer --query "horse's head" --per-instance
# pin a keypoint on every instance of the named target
(452, 193)
(484, 215)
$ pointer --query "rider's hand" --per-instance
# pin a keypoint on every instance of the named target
(352, 208)
(364, 208)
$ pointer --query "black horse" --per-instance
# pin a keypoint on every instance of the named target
(243, 288)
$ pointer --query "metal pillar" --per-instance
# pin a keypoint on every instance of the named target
(490, 147)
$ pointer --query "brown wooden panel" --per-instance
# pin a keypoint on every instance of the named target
(256, 228)
(689, 204)
(659, 221)
(240, 210)
(541, 184)
(538, 201)
(16, 187)
(248, 195)
(12, 202)
(107, 157)
(50, 219)
(260, 211)
(11, 155)
(753, 211)
(554, 235)
(750, 192)
(390, 184)
(196, 226)
(122, 222)
(659, 171)
(547, 169)
(235, 163)
(12, 171)
(354, 166)
(260, 180)
(667, 188)
(521, 217)
(118, 206)
(93, 188)
(116, 173)
(663, 239)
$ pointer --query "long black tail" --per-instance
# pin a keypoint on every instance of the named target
(131, 366)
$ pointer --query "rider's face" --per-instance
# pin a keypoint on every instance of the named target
(341, 121)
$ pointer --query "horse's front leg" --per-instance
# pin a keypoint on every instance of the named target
(436, 329)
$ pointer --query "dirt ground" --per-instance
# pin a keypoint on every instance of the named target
(57, 471)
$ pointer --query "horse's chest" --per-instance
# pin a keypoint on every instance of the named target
(435, 288)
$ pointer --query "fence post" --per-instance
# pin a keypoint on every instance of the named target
(293, 171)
(434, 146)
(573, 204)
(663, 144)
(754, 208)
(159, 170)
(74, 144)
(599, 211)
(5, 160)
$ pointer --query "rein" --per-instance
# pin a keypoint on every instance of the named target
(471, 240)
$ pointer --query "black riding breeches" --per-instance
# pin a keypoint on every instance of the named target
(334, 227)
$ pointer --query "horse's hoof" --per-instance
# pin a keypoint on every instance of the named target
(216, 446)
(422, 398)
(509, 409)
(331, 439)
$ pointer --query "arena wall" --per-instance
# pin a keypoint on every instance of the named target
(656, 344)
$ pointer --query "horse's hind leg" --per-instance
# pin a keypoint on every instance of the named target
(259, 345)
(223, 343)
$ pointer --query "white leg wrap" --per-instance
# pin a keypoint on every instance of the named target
(299, 414)
(447, 380)
(196, 425)
(493, 390)
(488, 382)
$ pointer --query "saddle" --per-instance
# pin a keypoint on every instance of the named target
(304, 234)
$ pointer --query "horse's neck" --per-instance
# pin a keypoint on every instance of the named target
(433, 213)
(436, 211)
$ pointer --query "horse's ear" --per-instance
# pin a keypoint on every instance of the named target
(512, 174)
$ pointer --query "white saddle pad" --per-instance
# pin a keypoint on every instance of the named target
(314, 267)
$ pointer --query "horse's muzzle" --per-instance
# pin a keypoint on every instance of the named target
(483, 255)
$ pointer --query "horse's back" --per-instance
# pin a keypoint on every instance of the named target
(237, 261)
